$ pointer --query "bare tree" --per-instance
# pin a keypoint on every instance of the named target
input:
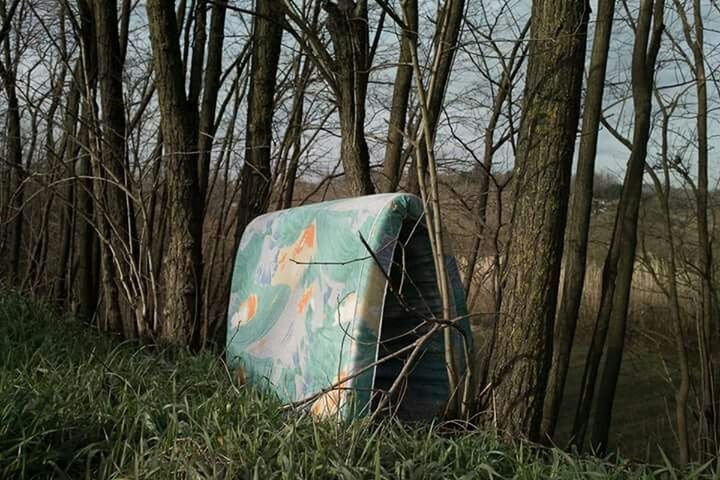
(348, 27)
(510, 70)
(257, 175)
(447, 35)
(213, 70)
(695, 39)
(88, 243)
(611, 321)
(663, 189)
(13, 146)
(393, 163)
(182, 270)
(520, 360)
(116, 219)
(576, 235)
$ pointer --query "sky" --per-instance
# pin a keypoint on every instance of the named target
(469, 94)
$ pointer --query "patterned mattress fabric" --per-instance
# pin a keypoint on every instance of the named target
(310, 309)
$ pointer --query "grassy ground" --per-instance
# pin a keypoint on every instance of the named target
(76, 404)
(642, 422)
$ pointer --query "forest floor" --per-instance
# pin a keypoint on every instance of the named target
(75, 403)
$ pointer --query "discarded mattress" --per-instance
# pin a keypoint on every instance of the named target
(310, 307)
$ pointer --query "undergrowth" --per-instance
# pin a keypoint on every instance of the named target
(75, 403)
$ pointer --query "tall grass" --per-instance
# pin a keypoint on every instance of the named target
(77, 404)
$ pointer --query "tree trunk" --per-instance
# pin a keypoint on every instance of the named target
(294, 136)
(348, 26)
(576, 235)
(66, 157)
(88, 245)
(13, 153)
(88, 295)
(611, 322)
(521, 357)
(664, 189)
(213, 69)
(182, 269)
(256, 172)
(118, 248)
(710, 422)
(450, 19)
(393, 163)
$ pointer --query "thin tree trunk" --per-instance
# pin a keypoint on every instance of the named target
(521, 357)
(664, 189)
(393, 163)
(88, 294)
(256, 172)
(576, 235)
(292, 145)
(611, 322)
(708, 328)
(447, 36)
(295, 136)
(213, 69)
(116, 218)
(13, 153)
(68, 153)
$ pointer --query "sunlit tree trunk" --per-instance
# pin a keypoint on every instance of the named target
(393, 163)
(520, 361)
(348, 27)
(449, 26)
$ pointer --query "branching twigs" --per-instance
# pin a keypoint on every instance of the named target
(431, 206)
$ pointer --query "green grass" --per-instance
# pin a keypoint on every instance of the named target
(77, 404)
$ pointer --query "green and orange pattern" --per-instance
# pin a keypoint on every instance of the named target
(307, 298)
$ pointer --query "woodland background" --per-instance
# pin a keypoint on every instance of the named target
(567, 146)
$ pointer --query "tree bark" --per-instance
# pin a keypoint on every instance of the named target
(118, 247)
(521, 358)
(256, 172)
(348, 26)
(13, 153)
(611, 321)
(576, 235)
(213, 69)
(182, 270)
(393, 163)
(710, 423)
